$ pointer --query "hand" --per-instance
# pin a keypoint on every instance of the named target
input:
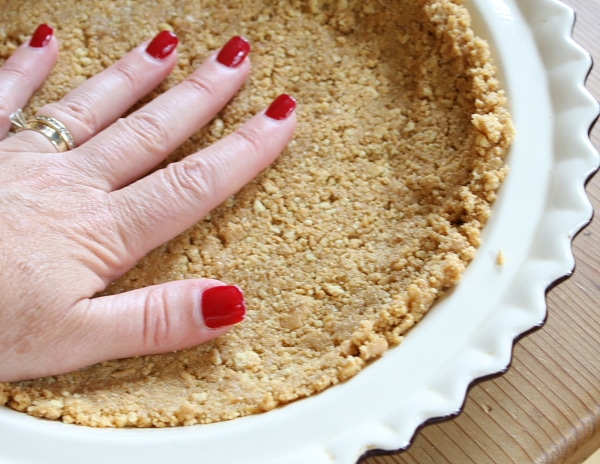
(72, 222)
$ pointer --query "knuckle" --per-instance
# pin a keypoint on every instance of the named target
(78, 108)
(14, 74)
(250, 140)
(127, 73)
(147, 129)
(157, 328)
(11, 75)
(200, 85)
(4, 113)
(194, 179)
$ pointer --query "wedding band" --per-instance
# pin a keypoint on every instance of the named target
(51, 128)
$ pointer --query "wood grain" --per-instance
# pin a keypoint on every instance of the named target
(546, 408)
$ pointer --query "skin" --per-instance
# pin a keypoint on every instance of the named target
(72, 222)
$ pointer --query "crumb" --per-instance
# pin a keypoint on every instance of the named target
(500, 258)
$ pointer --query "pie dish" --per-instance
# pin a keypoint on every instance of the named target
(475, 326)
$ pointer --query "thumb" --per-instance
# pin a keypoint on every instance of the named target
(159, 319)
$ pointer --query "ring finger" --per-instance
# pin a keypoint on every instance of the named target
(100, 100)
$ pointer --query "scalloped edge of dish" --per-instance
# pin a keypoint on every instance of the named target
(568, 216)
(339, 425)
(568, 207)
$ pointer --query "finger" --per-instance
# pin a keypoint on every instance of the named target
(24, 72)
(157, 319)
(165, 203)
(105, 97)
(134, 145)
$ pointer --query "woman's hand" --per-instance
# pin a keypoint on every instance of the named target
(72, 222)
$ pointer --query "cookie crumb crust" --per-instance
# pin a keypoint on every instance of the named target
(370, 215)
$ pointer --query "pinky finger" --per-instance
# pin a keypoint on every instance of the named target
(25, 71)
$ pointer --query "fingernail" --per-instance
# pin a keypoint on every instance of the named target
(162, 45)
(223, 306)
(281, 108)
(41, 37)
(234, 52)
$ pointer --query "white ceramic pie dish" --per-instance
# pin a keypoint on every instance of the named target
(541, 207)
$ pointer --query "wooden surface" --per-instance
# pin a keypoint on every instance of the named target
(546, 408)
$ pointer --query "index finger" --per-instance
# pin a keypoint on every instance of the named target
(162, 205)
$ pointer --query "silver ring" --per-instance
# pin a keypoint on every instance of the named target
(51, 128)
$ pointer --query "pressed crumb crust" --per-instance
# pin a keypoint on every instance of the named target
(372, 212)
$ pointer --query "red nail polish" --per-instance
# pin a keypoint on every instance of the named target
(162, 45)
(234, 52)
(223, 306)
(281, 108)
(41, 37)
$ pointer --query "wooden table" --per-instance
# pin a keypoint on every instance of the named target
(546, 408)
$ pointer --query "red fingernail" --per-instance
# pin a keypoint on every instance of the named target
(234, 52)
(281, 108)
(223, 306)
(41, 37)
(162, 45)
